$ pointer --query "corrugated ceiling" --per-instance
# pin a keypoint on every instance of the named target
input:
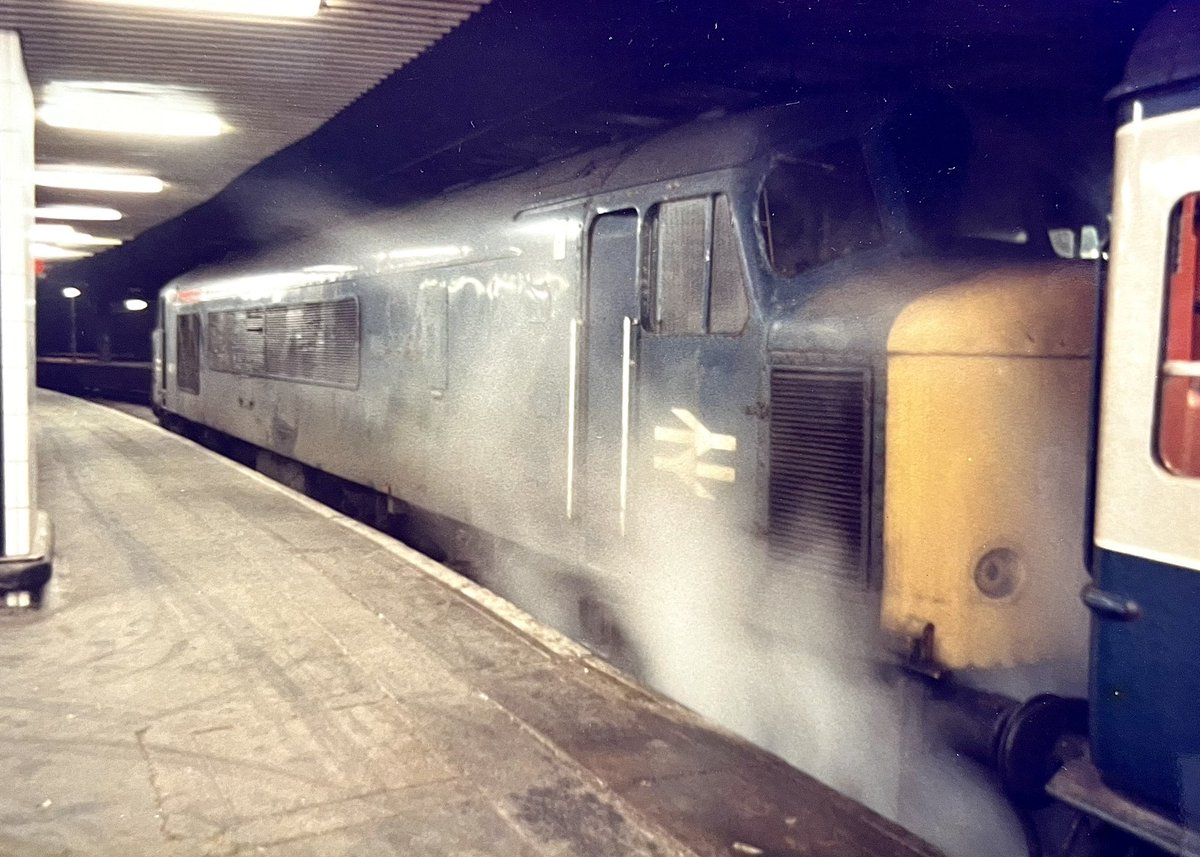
(274, 80)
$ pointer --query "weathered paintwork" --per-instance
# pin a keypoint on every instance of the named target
(510, 379)
(989, 385)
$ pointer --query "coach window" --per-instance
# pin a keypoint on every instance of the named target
(1179, 389)
(698, 285)
(818, 208)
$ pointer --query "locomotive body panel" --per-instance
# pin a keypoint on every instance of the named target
(988, 399)
(612, 366)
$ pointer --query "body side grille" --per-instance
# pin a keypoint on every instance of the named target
(314, 343)
(819, 494)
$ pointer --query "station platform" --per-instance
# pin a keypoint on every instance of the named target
(224, 667)
(88, 375)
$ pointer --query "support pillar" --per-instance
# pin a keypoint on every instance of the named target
(25, 534)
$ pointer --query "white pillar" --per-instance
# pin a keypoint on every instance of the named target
(22, 539)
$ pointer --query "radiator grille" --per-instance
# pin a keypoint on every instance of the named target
(317, 343)
(235, 342)
(819, 496)
(187, 353)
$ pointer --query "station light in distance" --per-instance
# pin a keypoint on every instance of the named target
(135, 304)
(258, 8)
(70, 293)
(128, 108)
(76, 212)
(96, 178)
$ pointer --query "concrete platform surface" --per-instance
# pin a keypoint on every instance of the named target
(226, 667)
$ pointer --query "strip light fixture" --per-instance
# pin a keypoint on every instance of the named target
(76, 212)
(49, 251)
(95, 178)
(66, 235)
(263, 8)
(129, 108)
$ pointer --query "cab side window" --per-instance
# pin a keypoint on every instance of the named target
(728, 309)
(697, 284)
(818, 208)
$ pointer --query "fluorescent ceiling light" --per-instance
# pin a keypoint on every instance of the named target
(66, 235)
(49, 251)
(268, 8)
(273, 9)
(76, 212)
(82, 239)
(129, 108)
(92, 178)
(50, 232)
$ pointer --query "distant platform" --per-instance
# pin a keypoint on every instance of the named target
(87, 374)
(225, 666)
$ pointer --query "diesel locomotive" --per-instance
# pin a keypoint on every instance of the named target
(788, 412)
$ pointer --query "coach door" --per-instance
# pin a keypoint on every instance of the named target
(610, 322)
(1146, 630)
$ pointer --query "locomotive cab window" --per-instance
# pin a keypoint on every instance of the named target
(816, 209)
(697, 284)
(1179, 381)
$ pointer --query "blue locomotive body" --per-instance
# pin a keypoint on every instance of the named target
(758, 409)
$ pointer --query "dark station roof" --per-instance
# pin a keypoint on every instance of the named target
(1160, 58)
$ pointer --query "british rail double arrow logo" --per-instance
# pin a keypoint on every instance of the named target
(697, 441)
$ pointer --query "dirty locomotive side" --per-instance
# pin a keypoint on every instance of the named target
(761, 409)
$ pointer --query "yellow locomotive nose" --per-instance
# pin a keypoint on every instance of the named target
(989, 383)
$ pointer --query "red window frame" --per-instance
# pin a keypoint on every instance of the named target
(1179, 394)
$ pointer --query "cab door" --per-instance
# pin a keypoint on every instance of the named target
(698, 380)
(610, 321)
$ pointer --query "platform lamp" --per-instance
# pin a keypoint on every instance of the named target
(71, 293)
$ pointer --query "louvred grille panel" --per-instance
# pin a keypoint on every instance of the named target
(819, 496)
(316, 342)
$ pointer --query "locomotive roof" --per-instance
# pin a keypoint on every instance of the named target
(707, 144)
(1166, 53)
